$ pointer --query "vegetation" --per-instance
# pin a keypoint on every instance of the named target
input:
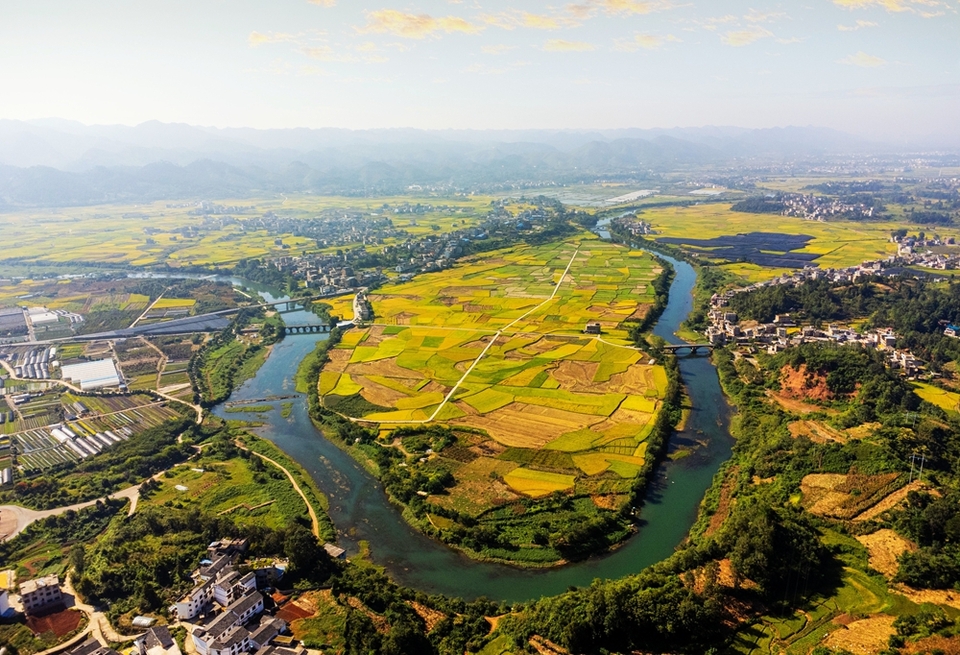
(125, 464)
(226, 360)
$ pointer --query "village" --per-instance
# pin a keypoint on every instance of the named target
(234, 608)
(784, 332)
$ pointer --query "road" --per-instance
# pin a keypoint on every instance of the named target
(170, 327)
(14, 519)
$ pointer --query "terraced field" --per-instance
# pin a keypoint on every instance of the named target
(497, 347)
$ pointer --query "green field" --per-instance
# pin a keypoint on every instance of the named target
(948, 401)
(536, 384)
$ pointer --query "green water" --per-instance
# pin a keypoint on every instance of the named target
(361, 511)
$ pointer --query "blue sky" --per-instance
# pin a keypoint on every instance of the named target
(873, 67)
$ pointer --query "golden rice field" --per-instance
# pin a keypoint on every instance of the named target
(536, 383)
(948, 401)
(838, 243)
(152, 233)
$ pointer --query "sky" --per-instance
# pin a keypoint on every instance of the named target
(881, 68)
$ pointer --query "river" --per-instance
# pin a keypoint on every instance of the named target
(361, 512)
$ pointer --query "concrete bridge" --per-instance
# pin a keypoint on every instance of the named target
(692, 347)
(305, 329)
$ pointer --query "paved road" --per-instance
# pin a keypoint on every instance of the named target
(13, 518)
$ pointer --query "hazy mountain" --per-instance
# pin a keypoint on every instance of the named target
(58, 162)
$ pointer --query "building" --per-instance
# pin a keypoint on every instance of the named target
(225, 635)
(335, 552)
(41, 594)
(592, 328)
(157, 641)
(92, 375)
(92, 647)
(4, 602)
(233, 586)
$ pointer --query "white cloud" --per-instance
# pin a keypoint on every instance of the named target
(746, 36)
(863, 60)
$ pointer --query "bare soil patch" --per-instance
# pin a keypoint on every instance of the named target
(798, 406)
(59, 623)
(817, 432)
(802, 384)
(934, 644)
(885, 546)
(725, 502)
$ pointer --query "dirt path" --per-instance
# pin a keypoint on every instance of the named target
(147, 310)
(313, 514)
(99, 624)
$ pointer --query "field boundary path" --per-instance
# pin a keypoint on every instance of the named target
(556, 289)
(313, 513)
(147, 310)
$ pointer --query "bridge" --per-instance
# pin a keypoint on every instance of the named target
(692, 347)
(305, 329)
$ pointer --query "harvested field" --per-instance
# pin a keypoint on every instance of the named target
(528, 426)
(890, 501)
(863, 637)
(842, 496)
(817, 432)
(885, 546)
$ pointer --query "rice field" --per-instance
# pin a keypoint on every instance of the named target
(497, 346)
(837, 244)
(948, 401)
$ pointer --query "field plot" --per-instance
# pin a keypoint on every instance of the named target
(831, 244)
(107, 421)
(948, 401)
(545, 408)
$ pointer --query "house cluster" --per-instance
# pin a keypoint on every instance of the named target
(333, 228)
(362, 309)
(820, 208)
(726, 328)
(918, 251)
(226, 607)
(633, 225)
(155, 641)
(330, 274)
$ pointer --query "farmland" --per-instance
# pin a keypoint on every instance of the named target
(121, 416)
(495, 351)
(831, 244)
(180, 235)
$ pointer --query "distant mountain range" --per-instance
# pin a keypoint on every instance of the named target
(55, 162)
